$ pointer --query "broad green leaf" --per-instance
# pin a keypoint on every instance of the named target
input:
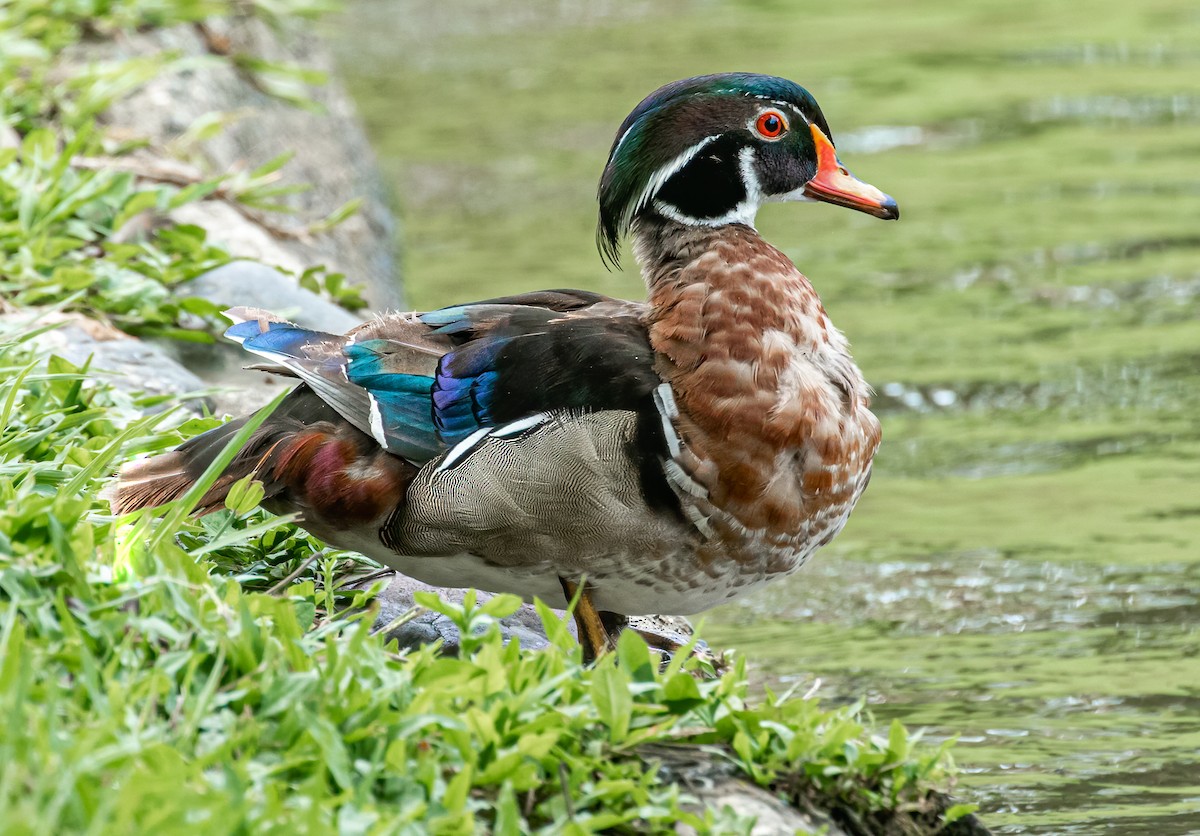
(508, 821)
(681, 693)
(633, 655)
(614, 704)
(958, 811)
(244, 495)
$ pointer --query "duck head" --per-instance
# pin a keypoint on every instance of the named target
(710, 150)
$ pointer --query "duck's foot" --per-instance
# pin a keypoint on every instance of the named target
(671, 634)
(594, 637)
(659, 632)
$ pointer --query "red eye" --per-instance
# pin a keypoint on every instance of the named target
(771, 124)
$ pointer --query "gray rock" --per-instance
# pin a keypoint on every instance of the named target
(709, 777)
(771, 815)
(666, 632)
(331, 150)
(253, 285)
(331, 157)
(238, 391)
(134, 365)
(707, 773)
(249, 284)
(131, 365)
(397, 599)
(237, 234)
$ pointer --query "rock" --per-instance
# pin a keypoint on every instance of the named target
(771, 815)
(716, 783)
(131, 365)
(708, 773)
(397, 599)
(331, 155)
(331, 158)
(253, 285)
(331, 150)
(229, 229)
(664, 632)
(233, 389)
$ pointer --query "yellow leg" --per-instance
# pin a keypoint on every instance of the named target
(594, 637)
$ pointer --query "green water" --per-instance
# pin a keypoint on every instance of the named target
(1025, 568)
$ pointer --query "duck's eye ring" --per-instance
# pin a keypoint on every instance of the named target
(770, 124)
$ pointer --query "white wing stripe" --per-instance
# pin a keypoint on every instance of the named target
(377, 429)
(668, 411)
(520, 426)
(458, 451)
(503, 432)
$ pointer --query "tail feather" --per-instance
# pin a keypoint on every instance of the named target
(150, 482)
(147, 483)
(307, 457)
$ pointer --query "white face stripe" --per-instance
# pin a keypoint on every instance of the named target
(779, 102)
(754, 195)
(740, 214)
(746, 211)
(788, 105)
(617, 148)
(794, 196)
(794, 110)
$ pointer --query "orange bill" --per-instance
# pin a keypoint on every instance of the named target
(834, 184)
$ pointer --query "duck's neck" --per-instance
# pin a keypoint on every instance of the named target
(663, 245)
(725, 280)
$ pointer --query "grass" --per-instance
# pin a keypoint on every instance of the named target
(72, 211)
(157, 676)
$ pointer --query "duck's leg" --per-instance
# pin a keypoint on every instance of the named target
(594, 637)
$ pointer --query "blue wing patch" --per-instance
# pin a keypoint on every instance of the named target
(402, 417)
(452, 320)
(465, 389)
(281, 338)
(395, 408)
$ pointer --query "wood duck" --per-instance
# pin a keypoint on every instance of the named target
(665, 455)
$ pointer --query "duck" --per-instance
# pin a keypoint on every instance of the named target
(627, 457)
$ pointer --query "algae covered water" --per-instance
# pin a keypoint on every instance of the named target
(1024, 571)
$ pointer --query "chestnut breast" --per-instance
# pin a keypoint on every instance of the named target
(773, 410)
